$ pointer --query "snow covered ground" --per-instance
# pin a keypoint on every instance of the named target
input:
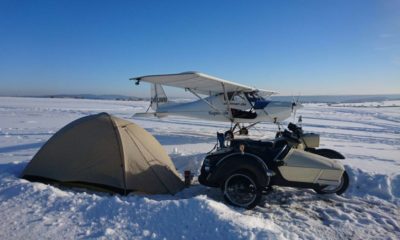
(370, 209)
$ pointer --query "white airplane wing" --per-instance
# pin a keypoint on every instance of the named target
(199, 83)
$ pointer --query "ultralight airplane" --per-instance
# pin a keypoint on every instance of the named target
(218, 100)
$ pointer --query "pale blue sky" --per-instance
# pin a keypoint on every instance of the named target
(306, 47)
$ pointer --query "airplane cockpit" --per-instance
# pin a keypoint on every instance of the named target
(256, 100)
(242, 104)
(253, 96)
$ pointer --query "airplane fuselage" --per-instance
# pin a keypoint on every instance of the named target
(238, 109)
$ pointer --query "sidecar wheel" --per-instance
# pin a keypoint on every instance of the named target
(341, 188)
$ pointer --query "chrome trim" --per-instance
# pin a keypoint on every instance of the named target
(270, 173)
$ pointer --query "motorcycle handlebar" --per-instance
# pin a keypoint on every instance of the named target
(289, 136)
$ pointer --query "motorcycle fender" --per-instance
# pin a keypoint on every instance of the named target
(240, 162)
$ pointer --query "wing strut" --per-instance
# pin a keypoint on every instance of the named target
(228, 104)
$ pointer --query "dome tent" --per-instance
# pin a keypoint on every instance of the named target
(105, 152)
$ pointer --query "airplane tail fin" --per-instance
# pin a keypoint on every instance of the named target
(158, 96)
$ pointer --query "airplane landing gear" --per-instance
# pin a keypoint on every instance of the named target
(229, 135)
(243, 131)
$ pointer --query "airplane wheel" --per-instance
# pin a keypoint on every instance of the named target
(228, 135)
(244, 131)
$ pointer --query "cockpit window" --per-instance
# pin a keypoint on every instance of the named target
(236, 96)
(253, 97)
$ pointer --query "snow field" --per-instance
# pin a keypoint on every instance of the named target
(370, 209)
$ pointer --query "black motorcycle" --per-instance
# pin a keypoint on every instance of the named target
(247, 168)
